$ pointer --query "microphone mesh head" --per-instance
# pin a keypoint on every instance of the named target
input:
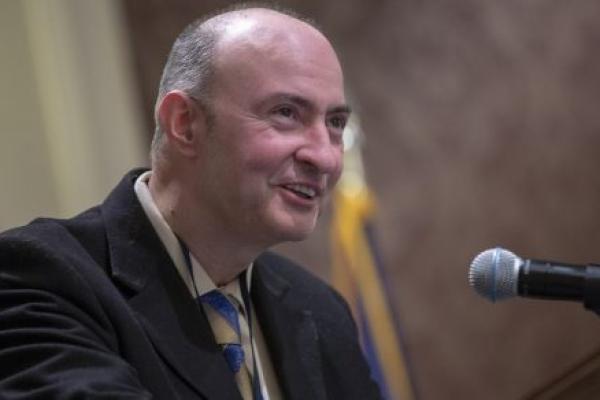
(494, 273)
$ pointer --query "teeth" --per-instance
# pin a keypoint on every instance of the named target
(304, 190)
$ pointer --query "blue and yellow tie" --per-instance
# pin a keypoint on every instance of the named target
(223, 318)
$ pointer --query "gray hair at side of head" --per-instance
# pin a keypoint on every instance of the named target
(188, 68)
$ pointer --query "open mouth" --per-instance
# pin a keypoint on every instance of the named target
(302, 191)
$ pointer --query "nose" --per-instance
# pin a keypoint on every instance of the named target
(319, 153)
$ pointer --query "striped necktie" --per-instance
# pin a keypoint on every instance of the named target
(223, 318)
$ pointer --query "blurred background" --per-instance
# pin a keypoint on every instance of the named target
(482, 126)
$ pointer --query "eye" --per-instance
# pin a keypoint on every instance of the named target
(285, 117)
(285, 111)
(338, 121)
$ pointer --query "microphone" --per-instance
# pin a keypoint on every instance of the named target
(499, 274)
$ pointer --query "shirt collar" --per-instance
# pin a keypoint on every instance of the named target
(204, 284)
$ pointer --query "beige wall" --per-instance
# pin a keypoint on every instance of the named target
(70, 123)
(24, 159)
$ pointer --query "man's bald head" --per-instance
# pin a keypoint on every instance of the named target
(190, 67)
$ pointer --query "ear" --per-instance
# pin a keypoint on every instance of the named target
(182, 122)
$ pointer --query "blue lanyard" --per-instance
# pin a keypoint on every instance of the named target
(247, 306)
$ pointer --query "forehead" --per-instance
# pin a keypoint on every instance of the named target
(277, 54)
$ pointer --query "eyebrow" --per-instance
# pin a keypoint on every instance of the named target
(343, 108)
(305, 103)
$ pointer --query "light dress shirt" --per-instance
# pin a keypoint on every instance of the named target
(198, 283)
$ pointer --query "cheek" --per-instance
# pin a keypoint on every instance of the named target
(267, 158)
(255, 173)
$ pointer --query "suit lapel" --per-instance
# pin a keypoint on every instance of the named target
(181, 332)
(174, 322)
(290, 333)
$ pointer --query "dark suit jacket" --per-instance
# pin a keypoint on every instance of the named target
(92, 308)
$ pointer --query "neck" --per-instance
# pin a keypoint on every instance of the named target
(221, 255)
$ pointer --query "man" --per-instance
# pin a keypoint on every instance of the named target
(133, 298)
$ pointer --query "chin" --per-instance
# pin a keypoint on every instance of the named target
(287, 227)
(298, 237)
(295, 233)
